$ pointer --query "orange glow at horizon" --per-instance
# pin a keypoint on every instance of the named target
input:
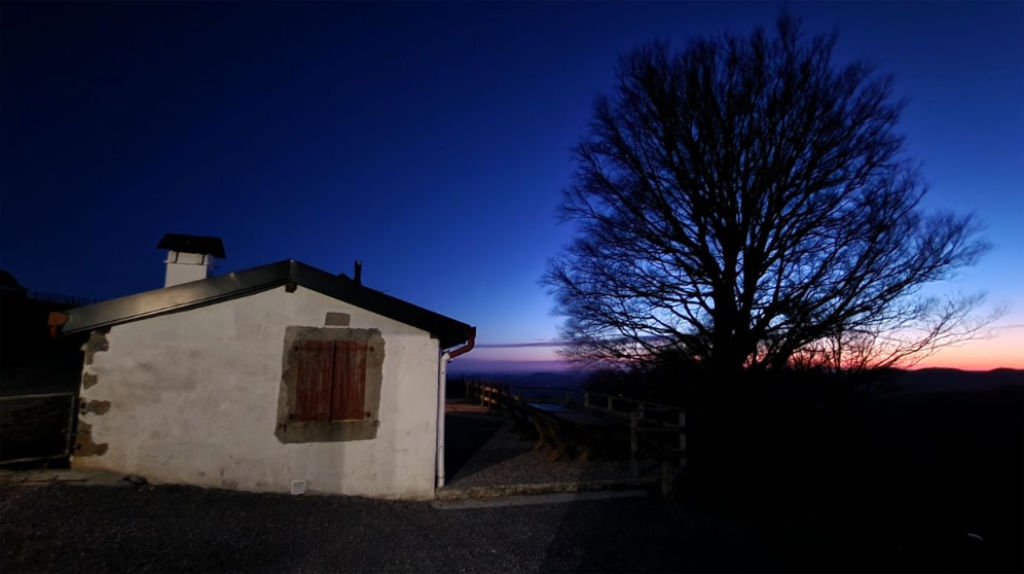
(1005, 350)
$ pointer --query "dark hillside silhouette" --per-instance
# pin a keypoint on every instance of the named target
(34, 429)
(910, 464)
(32, 362)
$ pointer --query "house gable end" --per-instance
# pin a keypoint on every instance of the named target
(290, 273)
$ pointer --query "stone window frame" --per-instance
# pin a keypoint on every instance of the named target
(289, 430)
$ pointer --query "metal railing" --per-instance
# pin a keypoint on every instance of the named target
(36, 427)
(656, 430)
(59, 299)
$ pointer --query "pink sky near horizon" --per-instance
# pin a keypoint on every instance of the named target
(1004, 348)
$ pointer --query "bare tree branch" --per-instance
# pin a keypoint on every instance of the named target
(749, 203)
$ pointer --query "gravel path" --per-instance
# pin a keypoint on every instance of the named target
(63, 527)
(66, 528)
(485, 450)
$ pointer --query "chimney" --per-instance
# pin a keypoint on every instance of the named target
(358, 275)
(189, 257)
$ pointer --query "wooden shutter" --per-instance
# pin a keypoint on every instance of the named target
(313, 382)
(347, 401)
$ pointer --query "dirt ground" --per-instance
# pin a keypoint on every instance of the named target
(69, 528)
(63, 528)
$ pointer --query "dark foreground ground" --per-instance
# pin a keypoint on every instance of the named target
(100, 529)
(60, 528)
(913, 484)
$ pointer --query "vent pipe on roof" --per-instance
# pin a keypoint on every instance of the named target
(358, 274)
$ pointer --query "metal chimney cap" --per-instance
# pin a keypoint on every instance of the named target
(193, 244)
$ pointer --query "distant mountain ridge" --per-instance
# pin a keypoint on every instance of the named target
(939, 380)
(561, 379)
(930, 380)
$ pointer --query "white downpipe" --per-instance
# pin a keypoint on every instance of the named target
(442, 374)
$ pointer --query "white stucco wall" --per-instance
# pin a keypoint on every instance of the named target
(193, 399)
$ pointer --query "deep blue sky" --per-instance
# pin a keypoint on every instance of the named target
(430, 141)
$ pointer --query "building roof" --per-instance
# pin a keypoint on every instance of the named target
(8, 284)
(193, 244)
(449, 332)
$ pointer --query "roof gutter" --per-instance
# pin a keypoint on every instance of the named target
(442, 379)
(470, 343)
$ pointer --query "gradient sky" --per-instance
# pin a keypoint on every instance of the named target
(431, 141)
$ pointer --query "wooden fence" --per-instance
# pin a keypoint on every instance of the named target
(655, 431)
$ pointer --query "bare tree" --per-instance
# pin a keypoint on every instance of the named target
(746, 201)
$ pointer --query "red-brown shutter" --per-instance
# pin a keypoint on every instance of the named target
(313, 382)
(349, 381)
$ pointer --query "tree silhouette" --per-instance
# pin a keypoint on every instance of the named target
(746, 201)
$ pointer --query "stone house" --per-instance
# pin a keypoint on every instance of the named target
(279, 378)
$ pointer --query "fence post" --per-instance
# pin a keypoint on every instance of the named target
(666, 479)
(586, 400)
(634, 465)
(682, 439)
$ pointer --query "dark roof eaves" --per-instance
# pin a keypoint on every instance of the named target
(177, 297)
(449, 332)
